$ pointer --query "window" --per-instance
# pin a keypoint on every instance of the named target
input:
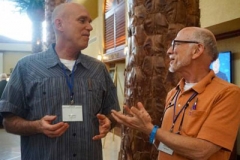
(114, 27)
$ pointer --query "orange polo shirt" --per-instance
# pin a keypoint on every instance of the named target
(214, 118)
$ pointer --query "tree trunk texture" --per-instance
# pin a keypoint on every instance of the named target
(36, 15)
(49, 7)
(37, 45)
(153, 24)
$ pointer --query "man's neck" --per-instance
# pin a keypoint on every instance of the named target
(196, 77)
(66, 53)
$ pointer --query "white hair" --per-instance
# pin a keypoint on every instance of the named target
(3, 76)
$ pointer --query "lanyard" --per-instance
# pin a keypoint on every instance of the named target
(70, 82)
(170, 104)
(175, 117)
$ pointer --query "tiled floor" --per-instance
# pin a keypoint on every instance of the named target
(10, 146)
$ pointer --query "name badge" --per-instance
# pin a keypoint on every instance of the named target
(72, 113)
(162, 147)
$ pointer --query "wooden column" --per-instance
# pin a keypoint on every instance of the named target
(153, 24)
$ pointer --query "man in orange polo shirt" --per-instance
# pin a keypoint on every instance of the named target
(201, 118)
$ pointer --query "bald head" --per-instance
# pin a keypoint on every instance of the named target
(72, 26)
(66, 9)
(203, 36)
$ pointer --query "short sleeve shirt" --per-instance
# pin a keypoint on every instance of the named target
(38, 87)
(213, 115)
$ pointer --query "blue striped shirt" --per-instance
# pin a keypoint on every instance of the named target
(38, 87)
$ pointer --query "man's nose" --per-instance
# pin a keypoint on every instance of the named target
(170, 50)
(89, 27)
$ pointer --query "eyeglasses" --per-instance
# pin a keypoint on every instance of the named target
(180, 41)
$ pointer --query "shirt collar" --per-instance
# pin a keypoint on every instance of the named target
(201, 85)
(53, 58)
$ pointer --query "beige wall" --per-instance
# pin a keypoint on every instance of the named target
(95, 46)
(120, 83)
(232, 45)
(218, 11)
(10, 60)
(11, 53)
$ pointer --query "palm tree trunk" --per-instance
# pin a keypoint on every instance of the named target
(37, 45)
(36, 14)
(153, 24)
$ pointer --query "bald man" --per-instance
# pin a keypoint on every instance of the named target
(59, 101)
(201, 116)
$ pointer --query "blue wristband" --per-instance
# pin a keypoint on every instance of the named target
(153, 134)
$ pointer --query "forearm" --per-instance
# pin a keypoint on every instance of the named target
(189, 147)
(17, 125)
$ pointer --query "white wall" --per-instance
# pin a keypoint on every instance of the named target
(1, 62)
(15, 47)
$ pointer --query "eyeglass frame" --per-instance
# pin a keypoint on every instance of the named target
(182, 41)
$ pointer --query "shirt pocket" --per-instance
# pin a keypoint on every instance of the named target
(44, 98)
(193, 122)
(96, 95)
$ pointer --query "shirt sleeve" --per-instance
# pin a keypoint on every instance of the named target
(13, 97)
(221, 125)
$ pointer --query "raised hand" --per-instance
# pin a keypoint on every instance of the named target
(136, 118)
(104, 126)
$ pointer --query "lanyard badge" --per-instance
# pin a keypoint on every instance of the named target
(70, 82)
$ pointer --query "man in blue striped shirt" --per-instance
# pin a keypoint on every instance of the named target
(59, 101)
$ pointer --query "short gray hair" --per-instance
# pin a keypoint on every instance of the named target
(209, 41)
(3, 76)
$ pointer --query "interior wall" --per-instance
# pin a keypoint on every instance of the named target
(10, 60)
(232, 44)
(95, 46)
(1, 62)
(91, 5)
(120, 83)
(218, 11)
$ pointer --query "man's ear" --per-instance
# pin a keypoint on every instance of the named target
(198, 51)
(58, 24)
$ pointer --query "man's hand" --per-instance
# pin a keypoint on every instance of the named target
(104, 126)
(52, 130)
(17, 125)
(136, 118)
